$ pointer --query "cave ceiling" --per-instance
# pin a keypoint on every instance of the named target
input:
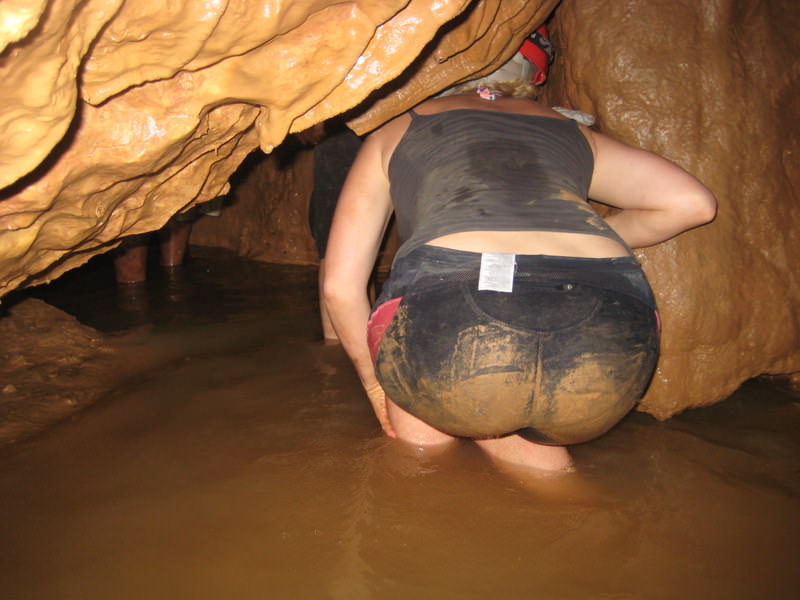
(118, 114)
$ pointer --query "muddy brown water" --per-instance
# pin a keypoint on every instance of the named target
(247, 465)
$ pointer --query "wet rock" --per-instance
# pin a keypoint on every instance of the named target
(118, 114)
(709, 87)
(51, 366)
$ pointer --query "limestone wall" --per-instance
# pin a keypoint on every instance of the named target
(714, 87)
(265, 217)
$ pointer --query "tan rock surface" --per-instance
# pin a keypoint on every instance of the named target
(713, 87)
(116, 115)
(51, 366)
(266, 216)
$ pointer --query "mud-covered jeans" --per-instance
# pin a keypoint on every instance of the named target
(560, 359)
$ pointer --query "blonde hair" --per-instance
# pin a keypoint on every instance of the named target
(518, 88)
(511, 79)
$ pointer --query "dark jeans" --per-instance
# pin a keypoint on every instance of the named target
(561, 359)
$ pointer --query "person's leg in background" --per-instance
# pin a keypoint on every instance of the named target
(173, 241)
(130, 263)
(130, 259)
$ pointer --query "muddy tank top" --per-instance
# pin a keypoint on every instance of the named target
(475, 170)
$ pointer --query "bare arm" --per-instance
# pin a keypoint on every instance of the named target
(362, 213)
(658, 198)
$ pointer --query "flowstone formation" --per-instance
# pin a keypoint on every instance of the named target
(117, 114)
(713, 87)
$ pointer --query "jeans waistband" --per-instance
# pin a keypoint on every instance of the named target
(454, 260)
(432, 265)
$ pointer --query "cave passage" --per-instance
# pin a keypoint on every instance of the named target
(246, 463)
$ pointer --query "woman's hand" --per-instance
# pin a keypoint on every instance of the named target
(378, 399)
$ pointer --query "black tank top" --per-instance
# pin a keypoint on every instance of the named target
(475, 170)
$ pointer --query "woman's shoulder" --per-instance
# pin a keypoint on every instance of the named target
(501, 104)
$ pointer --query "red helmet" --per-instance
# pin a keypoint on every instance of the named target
(538, 49)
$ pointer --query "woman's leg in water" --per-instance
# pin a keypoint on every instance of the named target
(413, 430)
(516, 450)
(511, 449)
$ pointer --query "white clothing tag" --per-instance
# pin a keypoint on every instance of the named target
(497, 271)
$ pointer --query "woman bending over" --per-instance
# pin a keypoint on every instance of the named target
(514, 315)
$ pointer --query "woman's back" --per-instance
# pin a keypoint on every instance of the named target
(468, 170)
(507, 175)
